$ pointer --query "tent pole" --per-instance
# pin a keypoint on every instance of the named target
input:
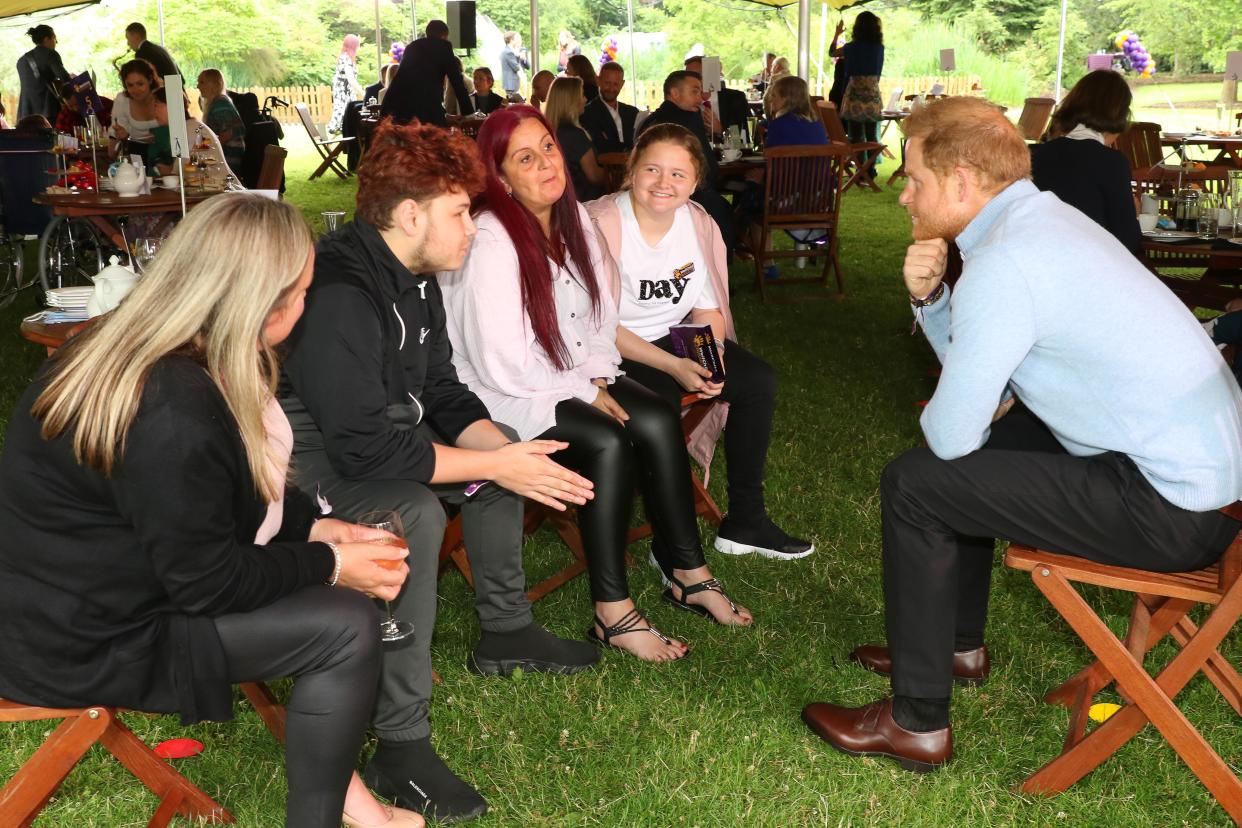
(534, 37)
(379, 43)
(629, 11)
(1061, 50)
(804, 39)
(413, 23)
(160, 7)
(823, 36)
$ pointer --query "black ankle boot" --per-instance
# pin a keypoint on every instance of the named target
(413, 776)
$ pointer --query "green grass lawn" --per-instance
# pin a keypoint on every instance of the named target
(715, 740)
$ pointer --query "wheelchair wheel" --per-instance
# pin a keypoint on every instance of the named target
(13, 276)
(70, 252)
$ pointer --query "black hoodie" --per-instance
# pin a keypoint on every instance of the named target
(369, 360)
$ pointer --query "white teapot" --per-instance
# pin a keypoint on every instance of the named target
(112, 284)
(127, 179)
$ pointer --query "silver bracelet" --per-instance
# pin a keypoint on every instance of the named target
(336, 570)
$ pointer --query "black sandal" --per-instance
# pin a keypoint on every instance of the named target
(710, 585)
(629, 623)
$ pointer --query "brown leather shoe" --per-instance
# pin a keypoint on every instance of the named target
(871, 731)
(969, 668)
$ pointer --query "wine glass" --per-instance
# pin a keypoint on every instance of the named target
(144, 252)
(390, 629)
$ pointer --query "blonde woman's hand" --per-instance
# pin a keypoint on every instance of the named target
(375, 568)
(340, 531)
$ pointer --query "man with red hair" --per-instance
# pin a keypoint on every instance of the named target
(1052, 425)
(381, 421)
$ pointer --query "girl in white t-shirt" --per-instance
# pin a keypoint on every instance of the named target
(673, 270)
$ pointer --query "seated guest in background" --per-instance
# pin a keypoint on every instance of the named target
(152, 53)
(563, 111)
(761, 80)
(580, 66)
(533, 332)
(202, 139)
(792, 118)
(33, 123)
(381, 421)
(221, 116)
(451, 105)
(71, 115)
(417, 91)
(133, 111)
(734, 111)
(147, 465)
(484, 99)
(1105, 445)
(673, 269)
(780, 68)
(683, 99)
(4, 124)
(1078, 162)
(610, 122)
(539, 86)
(513, 60)
(377, 90)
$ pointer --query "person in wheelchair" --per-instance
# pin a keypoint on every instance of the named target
(672, 268)
(154, 554)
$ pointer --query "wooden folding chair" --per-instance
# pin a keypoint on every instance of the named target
(329, 148)
(272, 173)
(565, 524)
(1036, 112)
(802, 191)
(30, 789)
(863, 155)
(1161, 608)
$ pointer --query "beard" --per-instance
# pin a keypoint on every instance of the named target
(938, 224)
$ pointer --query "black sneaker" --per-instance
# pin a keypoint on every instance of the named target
(533, 649)
(766, 539)
(413, 776)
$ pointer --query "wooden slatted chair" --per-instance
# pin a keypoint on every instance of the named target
(330, 149)
(1140, 144)
(1161, 608)
(802, 191)
(30, 789)
(864, 155)
(565, 524)
(614, 169)
(272, 173)
(1036, 112)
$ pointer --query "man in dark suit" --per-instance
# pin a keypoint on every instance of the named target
(733, 108)
(418, 89)
(152, 53)
(609, 121)
(683, 99)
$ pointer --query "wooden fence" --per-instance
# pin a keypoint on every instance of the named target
(648, 94)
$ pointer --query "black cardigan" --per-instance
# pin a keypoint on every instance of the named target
(110, 583)
(1093, 178)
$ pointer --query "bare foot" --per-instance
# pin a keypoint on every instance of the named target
(638, 642)
(711, 600)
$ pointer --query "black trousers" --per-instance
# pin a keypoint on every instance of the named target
(721, 212)
(750, 391)
(648, 449)
(327, 638)
(940, 518)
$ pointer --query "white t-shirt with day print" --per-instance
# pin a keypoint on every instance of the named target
(660, 285)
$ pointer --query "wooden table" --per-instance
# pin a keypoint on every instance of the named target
(739, 168)
(1218, 282)
(50, 335)
(103, 209)
(1228, 149)
(889, 117)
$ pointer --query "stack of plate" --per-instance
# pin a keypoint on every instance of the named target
(70, 302)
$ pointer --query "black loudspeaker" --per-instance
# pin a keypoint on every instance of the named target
(459, 14)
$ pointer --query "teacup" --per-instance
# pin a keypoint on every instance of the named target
(1147, 222)
(169, 182)
(731, 154)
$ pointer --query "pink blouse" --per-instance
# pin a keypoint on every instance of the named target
(494, 348)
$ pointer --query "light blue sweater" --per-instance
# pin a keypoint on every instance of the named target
(1054, 309)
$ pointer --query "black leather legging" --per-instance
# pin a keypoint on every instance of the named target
(328, 639)
(648, 448)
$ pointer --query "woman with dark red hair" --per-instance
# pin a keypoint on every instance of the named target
(533, 330)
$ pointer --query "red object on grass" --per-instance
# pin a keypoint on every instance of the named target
(178, 748)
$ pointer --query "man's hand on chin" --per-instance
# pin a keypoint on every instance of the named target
(924, 267)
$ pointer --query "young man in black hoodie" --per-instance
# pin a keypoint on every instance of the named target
(381, 421)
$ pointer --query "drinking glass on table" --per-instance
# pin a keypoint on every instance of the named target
(144, 252)
(390, 629)
(331, 220)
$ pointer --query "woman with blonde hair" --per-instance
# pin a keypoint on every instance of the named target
(563, 111)
(221, 116)
(147, 465)
(345, 87)
(792, 118)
